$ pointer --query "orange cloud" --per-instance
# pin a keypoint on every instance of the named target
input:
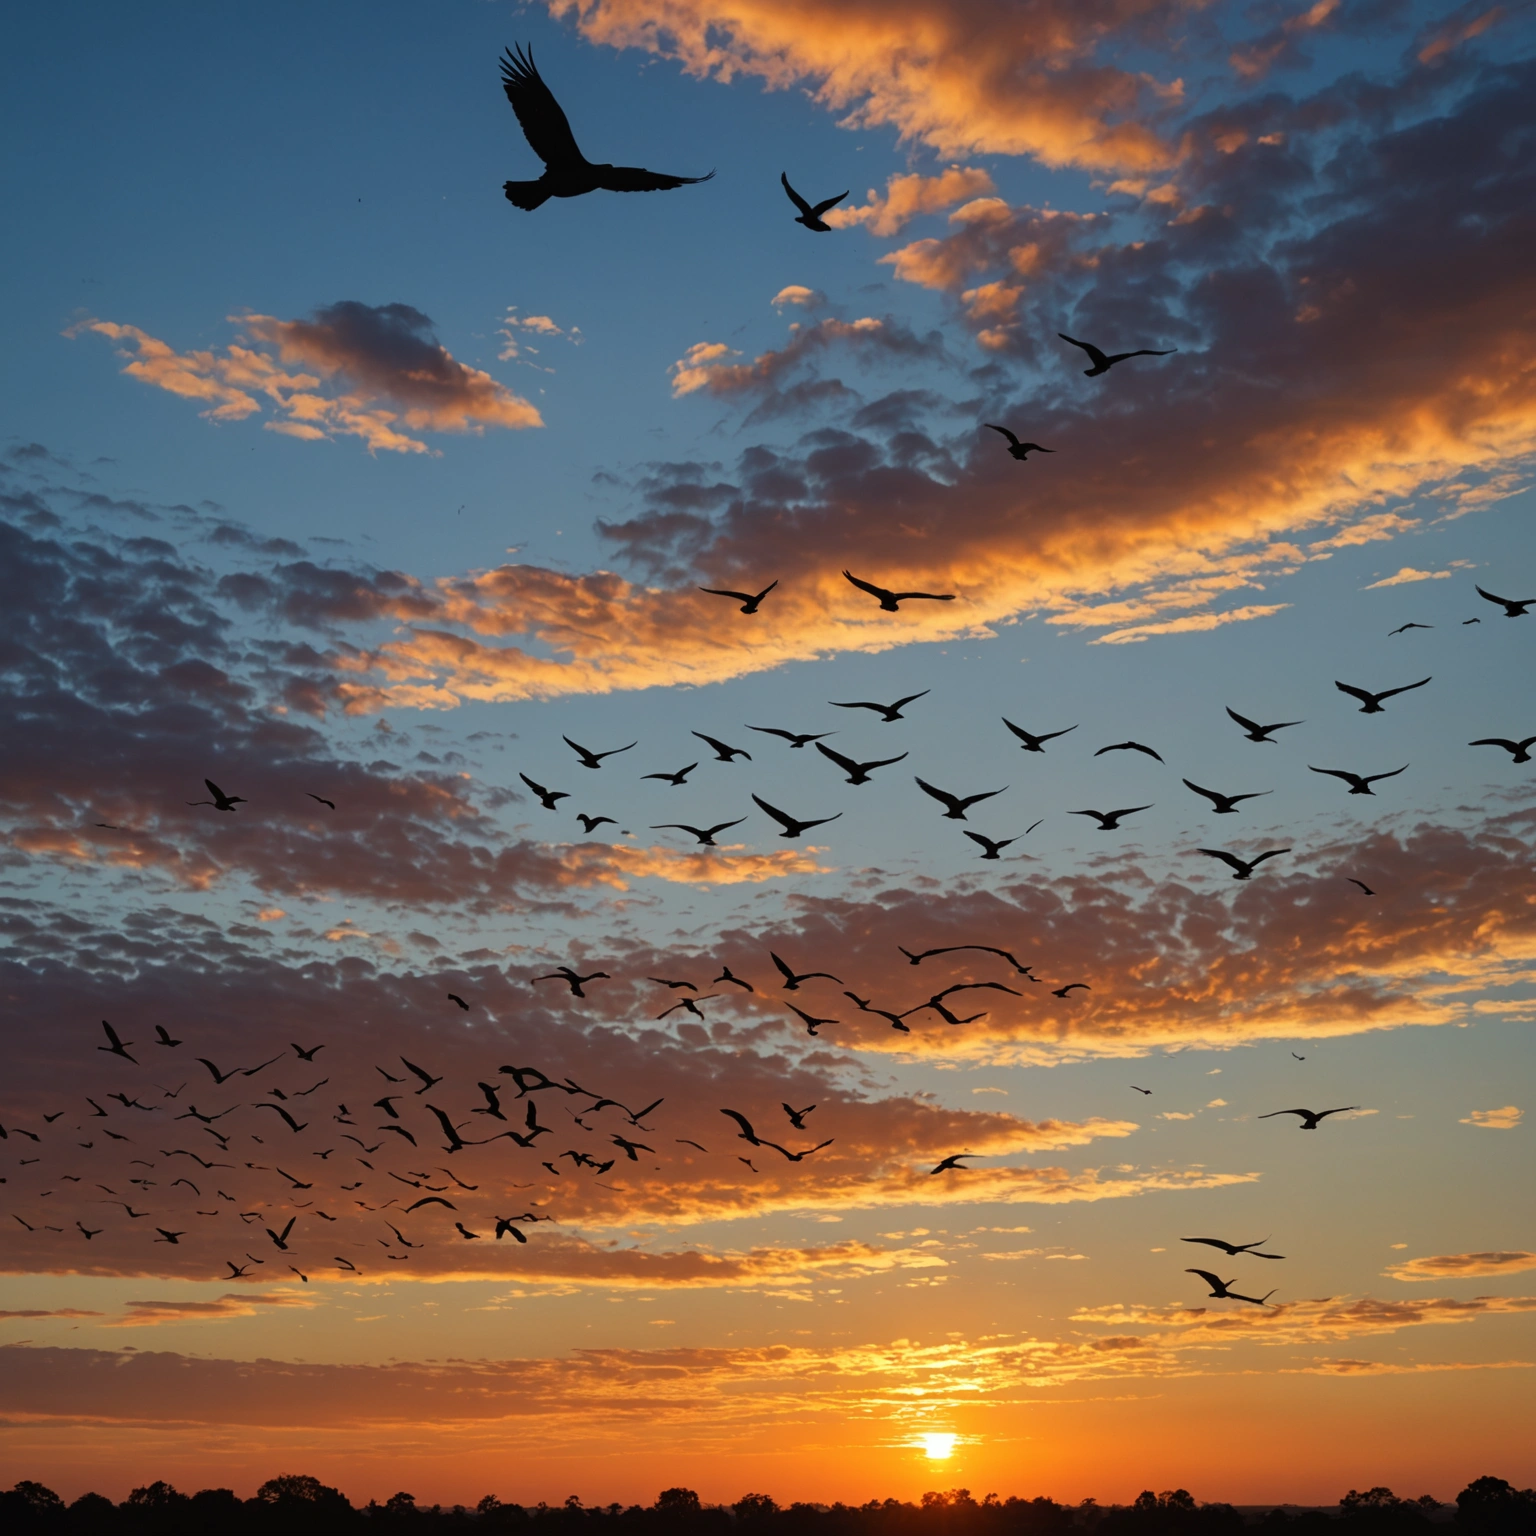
(1463, 1266)
(908, 197)
(150, 1314)
(1504, 1119)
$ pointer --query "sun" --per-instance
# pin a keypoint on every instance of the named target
(938, 1447)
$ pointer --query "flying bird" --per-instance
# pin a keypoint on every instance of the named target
(1224, 805)
(567, 172)
(1029, 741)
(736, 981)
(957, 805)
(797, 1116)
(690, 1005)
(858, 773)
(1103, 362)
(1071, 986)
(310, 1054)
(1514, 607)
(1109, 821)
(1410, 625)
(1146, 1091)
(1309, 1117)
(1127, 746)
(1363, 886)
(985, 949)
(811, 1022)
(1242, 868)
(1519, 751)
(421, 1074)
(589, 824)
(723, 753)
(793, 979)
(796, 739)
(590, 759)
(281, 1238)
(1019, 450)
(1257, 732)
(809, 216)
(705, 835)
(887, 712)
(1221, 1293)
(547, 797)
(676, 780)
(1371, 702)
(1360, 784)
(220, 801)
(792, 827)
(321, 799)
(1233, 1249)
(864, 1005)
(749, 600)
(115, 1047)
(453, 997)
(952, 1162)
(566, 974)
(991, 847)
(890, 601)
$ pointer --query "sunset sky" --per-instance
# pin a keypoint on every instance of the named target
(327, 472)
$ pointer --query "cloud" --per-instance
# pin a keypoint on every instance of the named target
(53, 1312)
(908, 197)
(1193, 623)
(1505, 1119)
(1408, 574)
(1463, 1266)
(515, 330)
(799, 296)
(372, 369)
(150, 1314)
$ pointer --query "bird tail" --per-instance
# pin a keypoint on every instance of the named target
(527, 195)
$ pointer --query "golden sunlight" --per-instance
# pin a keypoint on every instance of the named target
(938, 1447)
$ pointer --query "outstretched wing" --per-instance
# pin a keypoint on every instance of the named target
(794, 196)
(632, 178)
(1098, 358)
(1225, 857)
(1406, 688)
(539, 115)
(1004, 430)
(1210, 1279)
(831, 202)
(867, 586)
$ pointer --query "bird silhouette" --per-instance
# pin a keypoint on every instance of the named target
(1233, 1249)
(567, 172)
(746, 1133)
(1410, 625)
(1127, 746)
(1224, 805)
(1363, 886)
(705, 835)
(985, 949)
(956, 805)
(952, 1162)
(547, 797)
(313, 1051)
(1514, 607)
(1371, 702)
(1519, 751)
(864, 1005)
(591, 759)
(663, 981)
(169, 1237)
(1071, 986)
(887, 712)
(809, 216)
(220, 801)
(453, 997)
(1309, 1117)
(1146, 1091)
(1103, 362)
(589, 824)
(421, 1074)
(797, 1116)
(858, 773)
(572, 980)
(749, 600)
(792, 827)
(796, 739)
(676, 780)
(991, 847)
(1028, 741)
(1221, 1293)
(735, 981)
(890, 601)
(116, 1047)
(281, 1238)
(1109, 821)
(792, 979)
(1257, 732)
(1360, 784)
(1242, 868)
(1019, 450)
(723, 753)
(811, 1022)
(321, 799)
(689, 1004)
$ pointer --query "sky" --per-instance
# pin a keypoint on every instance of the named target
(331, 477)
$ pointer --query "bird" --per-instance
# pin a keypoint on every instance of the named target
(1360, 784)
(746, 1133)
(1464, 622)
(1257, 732)
(1309, 1117)
(1127, 746)
(1233, 1249)
(986, 949)
(663, 981)
(591, 759)
(1242, 868)
(957, 805)
(1298, 1058)
(952, 1162)
(590, 823)
(723, 753)
(505, 1228)
(890, 602)
(169, 1237)
(864, 1005)
(705, 835)
(749, 600)
(116, 1047)
(455, 1143)
(464, 1231)
(796, 739)
(1146, 1091)
(220, 801)
(321, 799)
(735, 981)
(1103, 362)
(293, 1125)
(1029, 742)
(888, 712)
(1019, 450)
(676, 780)
(858, 773)
(792, 827)
(1363, 886)
(453, 997)
(426, 1079)
(797, 1116)
(236, 1271)
(1071, 986)
(629, 1148)
(1224, 805)
(1371, 702)
(811, 1022)
(89, 1232)
(1410, 625)
(566, 974)
(690, 1004)
(991, 847)
(1220, 1291)
(792, 979)
(281, 1238)
(302, 1054)
(809, 216)
(567, 172)
(1514, 607)
(1109, 821)
(1519, 751)
(547, 797)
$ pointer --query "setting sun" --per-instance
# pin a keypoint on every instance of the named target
(938, 1447)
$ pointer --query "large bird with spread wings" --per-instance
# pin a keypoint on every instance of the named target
(567, 172)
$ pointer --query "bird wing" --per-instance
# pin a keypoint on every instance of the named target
(1136, 746)
(746, 1125)
(1499, 741)
(724, 824)
(794, 196)
(1406, 688)
(633, 178)
(1336, 773)
(742, 597)
(911, 697)
(784, 821)
(1215, 1283)
(1272, 853)
(938, 794)
(847, 763)
(1099, 359)
(1306, 1114)
(1343, 1109)
(1214, 1242)
(539, 115)
(1210, 794)
(1225, 857)
(868, 586)
(1372, 778)
(1489, 595)
(1004, 430)
(827, 203)
(1364, 695)
(936, 597)
(883, 762)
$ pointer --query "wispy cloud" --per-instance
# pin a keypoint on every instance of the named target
(1453, 1266)
(1505, 1118)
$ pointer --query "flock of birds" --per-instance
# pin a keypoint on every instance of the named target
(407, 1127)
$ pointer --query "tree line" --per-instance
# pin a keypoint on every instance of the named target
(304, 1506)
